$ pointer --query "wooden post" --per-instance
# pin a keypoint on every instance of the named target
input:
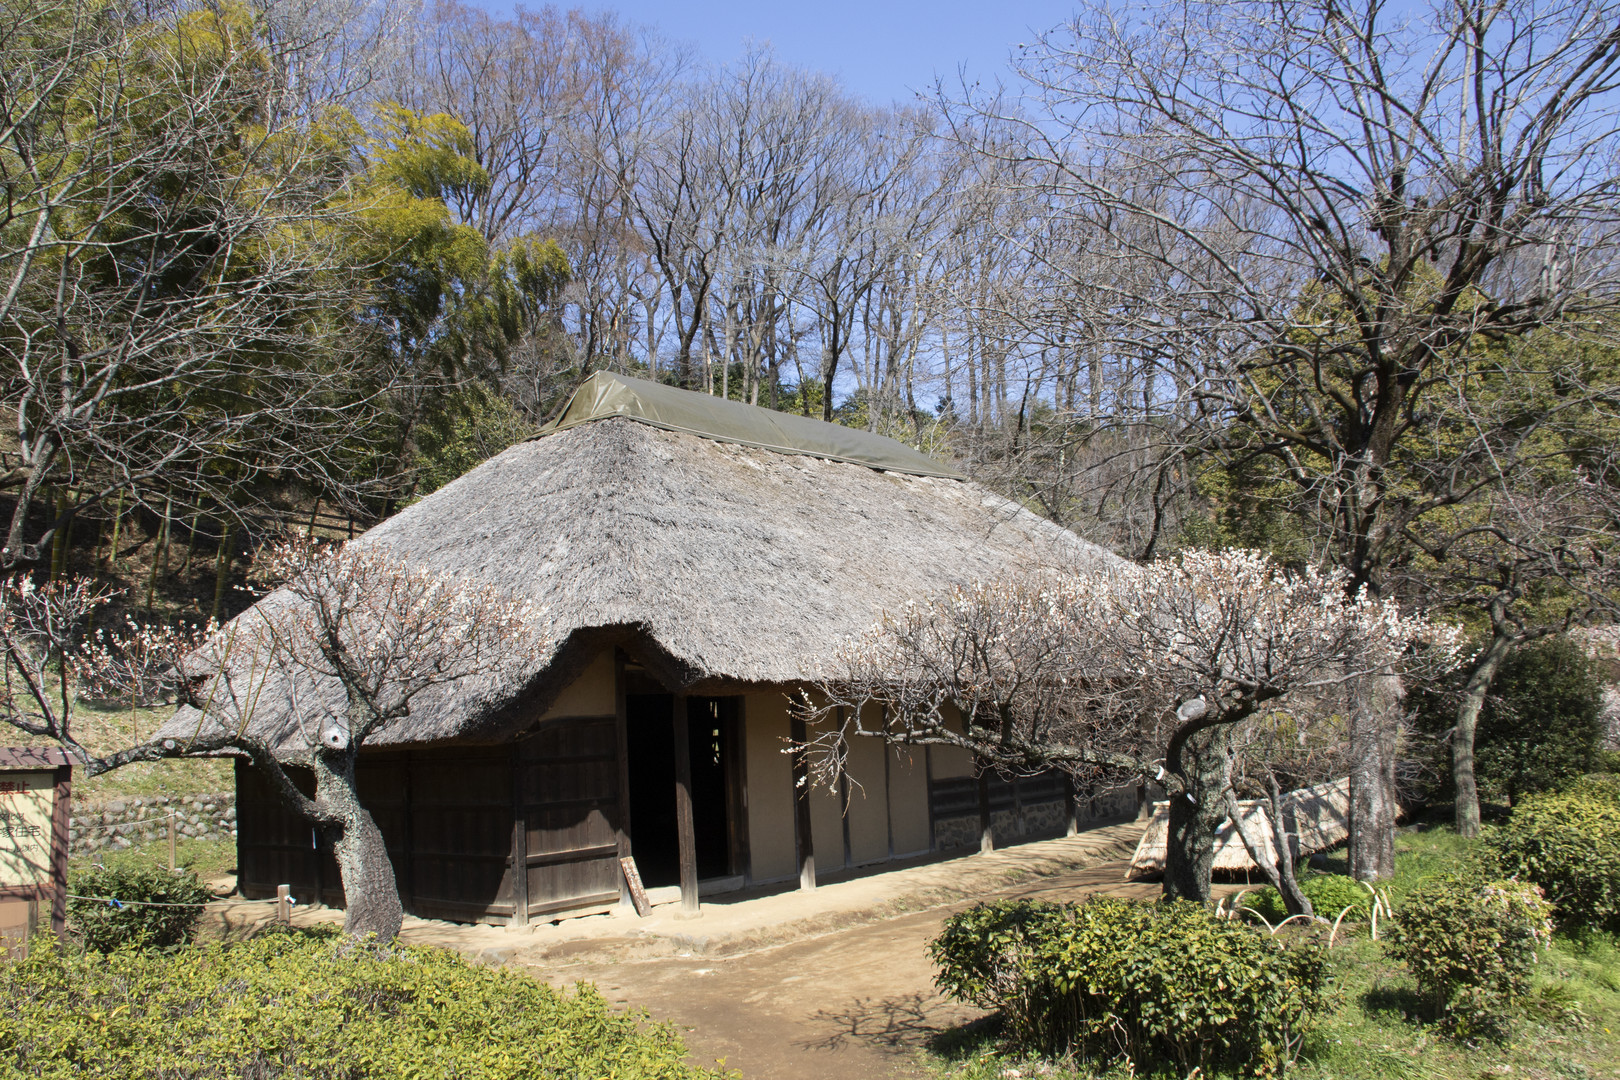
(801, 803)
(928, 774)
(987, 841)
(1071, 811)
(171, 839)
(888, 799)
(621, 739)
(284, 905)
(520, 842)
(683, 808)
(843, 817)
(406, 869)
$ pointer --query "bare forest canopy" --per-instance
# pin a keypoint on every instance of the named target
(1335, 282)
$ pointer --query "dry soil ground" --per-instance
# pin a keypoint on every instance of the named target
(792, 986)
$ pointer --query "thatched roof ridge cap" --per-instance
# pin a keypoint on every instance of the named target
(607, 395)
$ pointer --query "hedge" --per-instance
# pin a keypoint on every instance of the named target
(313, 1007)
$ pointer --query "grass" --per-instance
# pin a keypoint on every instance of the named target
(199, 776)
(1377, 1030)
(209, 858)
(105, 727)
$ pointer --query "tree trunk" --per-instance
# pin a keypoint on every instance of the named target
(1196, 811)
(1486, 665)
(1278, 871)
(370, 893)
(1374, 732)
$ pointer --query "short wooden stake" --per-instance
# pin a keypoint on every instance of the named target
(171, 840)
(284, 904)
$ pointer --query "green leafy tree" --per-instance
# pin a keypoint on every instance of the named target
(1539, 726)
(175, 286)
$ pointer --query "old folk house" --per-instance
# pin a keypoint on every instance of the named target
(699, 557)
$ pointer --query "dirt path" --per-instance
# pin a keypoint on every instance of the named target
(852, 1003)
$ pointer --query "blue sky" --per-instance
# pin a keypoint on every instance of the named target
(881, 51)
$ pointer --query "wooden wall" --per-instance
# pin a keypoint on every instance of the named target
(569, 815)
(445, 816)
(535, 827)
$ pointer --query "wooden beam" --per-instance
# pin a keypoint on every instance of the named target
(987, 842)
(801, 802)
(683, 807)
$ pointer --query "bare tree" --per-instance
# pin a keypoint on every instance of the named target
(1328, 205)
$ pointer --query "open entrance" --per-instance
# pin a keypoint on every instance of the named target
(715, 743)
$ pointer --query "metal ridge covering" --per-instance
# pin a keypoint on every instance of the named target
(606, 394)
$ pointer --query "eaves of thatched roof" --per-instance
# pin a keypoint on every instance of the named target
(715, 563)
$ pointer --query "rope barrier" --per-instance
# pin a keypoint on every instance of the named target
(115, 903)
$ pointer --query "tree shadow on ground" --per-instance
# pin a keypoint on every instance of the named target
(966, 1040)
(907, 1022)
(1392, 1001)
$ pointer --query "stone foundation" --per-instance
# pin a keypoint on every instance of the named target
(1035, 821)
(123, 823)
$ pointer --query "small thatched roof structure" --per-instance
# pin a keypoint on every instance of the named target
(715, 562)
(1319, 816)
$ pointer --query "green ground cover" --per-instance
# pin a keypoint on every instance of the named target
(1377, 1028)
(316, 1006)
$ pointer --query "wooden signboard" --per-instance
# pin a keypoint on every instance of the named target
(632, 881)
(35, 786)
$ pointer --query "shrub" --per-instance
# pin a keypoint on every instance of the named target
(1157, 984)
(1329, 894)
(1569, 844)
(173, 901)
(1471, 945)
(1598, 785)
(296, 1005)
(991, 955)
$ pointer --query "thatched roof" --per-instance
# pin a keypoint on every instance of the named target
(712, 562)
(1319, 816)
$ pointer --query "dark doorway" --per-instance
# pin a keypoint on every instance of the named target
(715, 746)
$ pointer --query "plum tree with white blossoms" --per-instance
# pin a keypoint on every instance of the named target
(1136, 671)
(350, 639)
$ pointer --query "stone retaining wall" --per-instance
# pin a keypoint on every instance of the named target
(122, 823)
